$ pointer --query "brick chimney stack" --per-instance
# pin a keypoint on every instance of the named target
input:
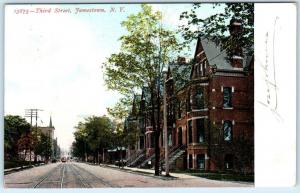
(236, 29)
(181, 60)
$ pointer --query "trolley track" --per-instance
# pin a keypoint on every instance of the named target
(79, 170)
(45, 177)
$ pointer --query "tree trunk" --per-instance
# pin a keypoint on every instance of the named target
(121, 158)
(25, 154)
(103, 155)
(156, 133)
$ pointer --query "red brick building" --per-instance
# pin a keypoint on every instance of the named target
(210, 104)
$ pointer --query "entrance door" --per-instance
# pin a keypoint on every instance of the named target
(179, 136)
(201, 161)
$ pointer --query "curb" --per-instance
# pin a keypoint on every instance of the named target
(140, 173)
(16, 169)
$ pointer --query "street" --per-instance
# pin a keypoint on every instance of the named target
(81, 175)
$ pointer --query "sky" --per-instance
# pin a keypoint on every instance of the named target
(53, 61)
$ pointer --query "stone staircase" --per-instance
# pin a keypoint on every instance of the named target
(173, 156)
(137, 159)
(152, 158)
(144, 164)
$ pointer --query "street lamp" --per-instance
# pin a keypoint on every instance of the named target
(165, 124)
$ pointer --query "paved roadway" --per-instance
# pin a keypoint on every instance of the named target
(80, 175)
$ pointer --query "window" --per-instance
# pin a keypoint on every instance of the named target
(179, 109)
(200, 130)
(141, 142)
(190, 161)
(152, 140)
(170, 138)
(227, 94)
(190, 127)
(196, 70)
(199, 98)
(188, 102)
(228, 161)
(201, 70)
(227, 130)
(180, 136)
(201, 161)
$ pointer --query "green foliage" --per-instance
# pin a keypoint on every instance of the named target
(144, 50)
(121, 109)
(215, 26)
(92, 135)
(56, 149)
(26, 142)
(14, 128)
(44, 147)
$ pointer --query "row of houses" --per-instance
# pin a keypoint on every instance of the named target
(210, 111)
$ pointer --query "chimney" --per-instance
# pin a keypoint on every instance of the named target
(181, 60)
(236, 52)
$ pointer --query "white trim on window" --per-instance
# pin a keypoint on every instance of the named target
(200, 117)
(197, 110)
(228, 108)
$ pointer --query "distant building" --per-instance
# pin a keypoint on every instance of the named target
(49, 131)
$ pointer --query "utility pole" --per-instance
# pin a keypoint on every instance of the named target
(33, 113)
(165, 126)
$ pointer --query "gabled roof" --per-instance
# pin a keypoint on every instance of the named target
(215, 55)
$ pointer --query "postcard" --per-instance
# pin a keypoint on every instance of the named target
(150, 95)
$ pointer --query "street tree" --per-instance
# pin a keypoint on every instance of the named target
(44, 147)
(215, 27)
(26, 143)
(99, 130)
(14, 127)
(79, 146)
(92, 136)
(145, 48)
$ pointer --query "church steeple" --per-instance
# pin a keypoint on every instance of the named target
(50, 124)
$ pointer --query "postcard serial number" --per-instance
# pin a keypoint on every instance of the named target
(68, 10)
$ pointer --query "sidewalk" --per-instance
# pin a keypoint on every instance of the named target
(151, 172)
(16, 169)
